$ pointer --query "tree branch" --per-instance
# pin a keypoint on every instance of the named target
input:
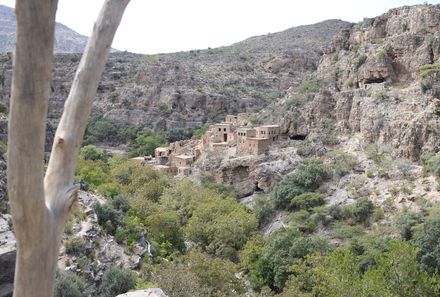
(70, 132)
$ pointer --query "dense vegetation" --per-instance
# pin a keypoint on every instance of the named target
(202, 237)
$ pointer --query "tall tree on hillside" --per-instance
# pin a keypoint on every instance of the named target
(40, 203)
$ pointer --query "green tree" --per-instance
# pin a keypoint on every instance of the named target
(428, 241)
(308, 177)
(221, 226)
(146, 143)
(406, 222)
(281, 250)
(165, 230)
(90, 152)
(68, 284)
(116, 281)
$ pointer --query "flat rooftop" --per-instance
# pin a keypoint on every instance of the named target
(161, 167)
(185, 157)
(222, 124)
(269, 126)
(161, 149)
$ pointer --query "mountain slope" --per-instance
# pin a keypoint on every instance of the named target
(66, 40)
(187, 89)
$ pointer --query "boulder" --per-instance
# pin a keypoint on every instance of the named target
(145, 293)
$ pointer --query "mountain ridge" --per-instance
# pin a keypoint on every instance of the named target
(66, 39)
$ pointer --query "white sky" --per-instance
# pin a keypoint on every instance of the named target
(151, 27)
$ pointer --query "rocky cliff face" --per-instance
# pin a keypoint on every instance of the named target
(188, 89)
(379, 79)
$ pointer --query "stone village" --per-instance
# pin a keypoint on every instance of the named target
(236, 134)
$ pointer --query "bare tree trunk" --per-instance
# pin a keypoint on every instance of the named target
(40, 205)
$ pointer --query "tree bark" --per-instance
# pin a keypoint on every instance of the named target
(40, 205)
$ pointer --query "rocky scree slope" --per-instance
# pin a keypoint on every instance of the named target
(187, 89)
(379, 79)
(66, 40)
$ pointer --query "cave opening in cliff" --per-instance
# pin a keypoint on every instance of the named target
(257, 188)
(376, 80)
(298, 137)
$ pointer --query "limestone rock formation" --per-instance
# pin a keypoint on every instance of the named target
(187, 89)
(379, 79)
(145, 293)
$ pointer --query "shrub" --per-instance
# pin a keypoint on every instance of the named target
(3, 148)
(264, 206)
(428, 241)
(108, 217)
(307, 200)
(360, 61)
(394, 274)
(146, 143)
(165, 230)
(431, 163)
(307, 177)
(178, 134)
(270, 265)
(106, 130)
(3, 108)
(198, 133)
(221, 226)
(342, 163)
(309, 85)
(68, 284)
(405, 224)
(429, 69)
(94, 173)
(116, 281)
(75, 246)
(310, 174)
(120, 202)
(360, 211)
(90, 152)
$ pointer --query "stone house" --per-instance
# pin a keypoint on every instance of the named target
(181, 161)
(271, 132)
(162, 155)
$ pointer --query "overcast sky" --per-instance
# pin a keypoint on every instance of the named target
(151, 27)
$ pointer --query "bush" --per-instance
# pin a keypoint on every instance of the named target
(116, 281)
(270, 265)
(428, 241)
(75, 246)
(394, 274)
(108, 217)
(310, 174)
(109, 131)
(431, 163)
(94, 173)
(307, 201)
(146, 143)
(406, 222)
(3, 108)
(360, 61)
(90, 152)
(307, 177)
(68, 284)
(360, 211)
(165, 230)
(198, 133)
(120, 202)
(179, 134)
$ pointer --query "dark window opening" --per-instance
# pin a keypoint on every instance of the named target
(298, 137)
